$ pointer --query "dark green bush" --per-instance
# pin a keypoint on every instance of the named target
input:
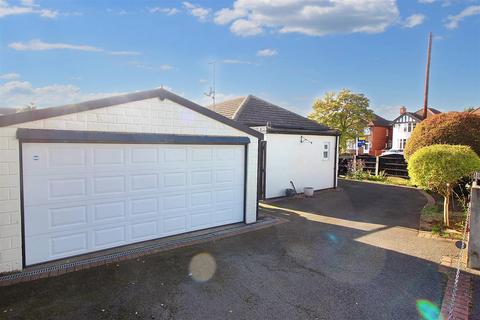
(456, 128)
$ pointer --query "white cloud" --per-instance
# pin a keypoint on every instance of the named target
(117, 12)
(15, 94)
(197, 11)
(245, 28)
(152, 67)
(166, 67)
(414, 20)
(426, 1)
(167, 11)
(39, 45)
(30, 3)
(454, 20)
(124, 53)
(225, 15)
(234, 61)
(26, 7)
(267, 53)
(9, 76)
(314, 18)
(203, 81)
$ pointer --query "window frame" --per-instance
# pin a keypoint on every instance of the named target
(327, 150)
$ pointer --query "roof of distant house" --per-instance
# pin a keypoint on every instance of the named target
(380, 122)
(255, 112)
(7, 110)
(430, 112)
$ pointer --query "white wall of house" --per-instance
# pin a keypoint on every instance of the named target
(146, 116)
(402, 131)
(303, 163)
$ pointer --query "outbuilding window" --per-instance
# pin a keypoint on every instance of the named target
(326, 150)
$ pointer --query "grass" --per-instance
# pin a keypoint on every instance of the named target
(397, 181)
(431, 219)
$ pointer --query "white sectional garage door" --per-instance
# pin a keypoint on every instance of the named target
(80, 198)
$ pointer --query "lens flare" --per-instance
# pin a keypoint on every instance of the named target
(332, 237)
(428, 310)
(202, 267)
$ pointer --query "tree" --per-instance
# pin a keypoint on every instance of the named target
(29, 107)
(456, 128)
(345, 111)
(440, 168)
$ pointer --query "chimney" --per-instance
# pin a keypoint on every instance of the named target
(403, 110)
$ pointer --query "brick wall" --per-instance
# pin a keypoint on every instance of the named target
(378, 139)
(146, 116)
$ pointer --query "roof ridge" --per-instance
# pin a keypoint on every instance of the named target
(240, 106)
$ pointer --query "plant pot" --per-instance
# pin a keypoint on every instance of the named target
(308, 191)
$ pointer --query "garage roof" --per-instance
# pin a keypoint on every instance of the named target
(39, 114)
(255, 112)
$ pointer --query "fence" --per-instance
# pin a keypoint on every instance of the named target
(393, 165)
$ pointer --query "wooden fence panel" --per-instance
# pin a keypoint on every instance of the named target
(393, 165)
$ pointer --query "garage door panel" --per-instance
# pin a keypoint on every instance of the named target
(145, 181)
(121, 194)
(144, 155)
(174, 180)
(113, 210)
(146, 229)
(107, 156)
(144, 206)
(109, 237)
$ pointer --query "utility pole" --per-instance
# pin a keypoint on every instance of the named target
(427, 77)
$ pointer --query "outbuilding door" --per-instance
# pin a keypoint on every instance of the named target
(84, 197)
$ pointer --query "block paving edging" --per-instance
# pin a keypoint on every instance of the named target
(54, 270)
(463, 297)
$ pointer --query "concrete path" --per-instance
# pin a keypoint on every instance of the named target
(351, 253)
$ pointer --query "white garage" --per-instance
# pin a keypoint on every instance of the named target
(82, 191)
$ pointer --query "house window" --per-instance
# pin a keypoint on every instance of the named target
(326, 150)
(402, 143)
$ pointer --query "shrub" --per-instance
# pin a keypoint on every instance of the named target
(440, 168)
(456, 128)
(355, 170)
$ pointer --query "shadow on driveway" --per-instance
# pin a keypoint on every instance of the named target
(348, 254)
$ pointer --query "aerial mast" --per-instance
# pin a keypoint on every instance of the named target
(211, 93)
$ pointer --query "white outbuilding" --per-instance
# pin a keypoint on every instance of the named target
(297, 152)
(111, 172)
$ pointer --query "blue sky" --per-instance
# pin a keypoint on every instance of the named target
(288, 52)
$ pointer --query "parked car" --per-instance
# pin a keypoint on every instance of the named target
(392, 151)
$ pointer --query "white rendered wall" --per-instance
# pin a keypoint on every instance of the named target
(289, 160)
(145, 116)
(399, 133)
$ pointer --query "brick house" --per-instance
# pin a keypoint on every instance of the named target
(377, 137)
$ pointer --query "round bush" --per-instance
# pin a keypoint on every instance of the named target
(455, 128)
(440, 167)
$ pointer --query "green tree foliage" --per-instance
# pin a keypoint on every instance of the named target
(344, 111)
(456, 128)
(440, 168)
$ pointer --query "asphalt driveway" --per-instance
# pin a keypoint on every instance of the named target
(351, 253)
